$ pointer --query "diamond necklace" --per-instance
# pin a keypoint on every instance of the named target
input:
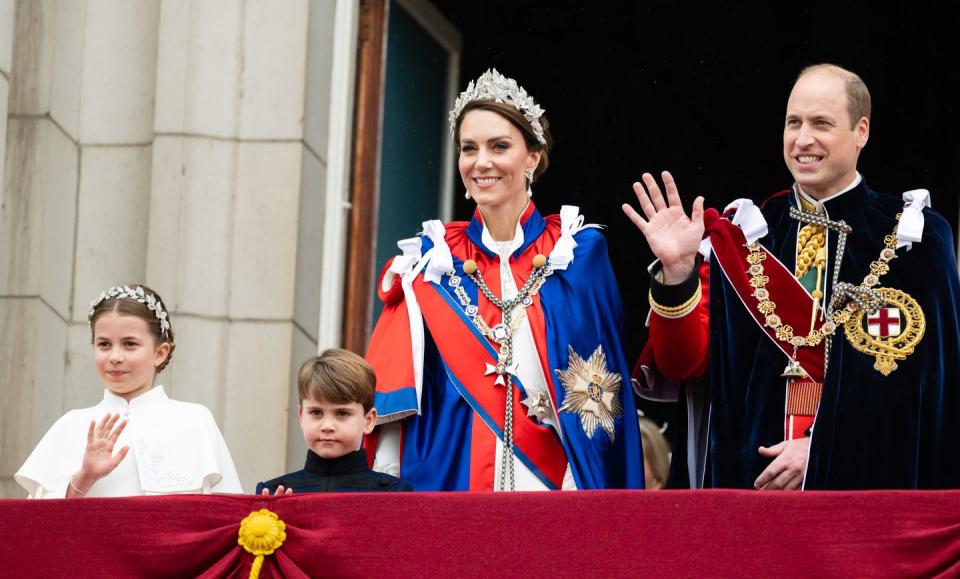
(502, 334)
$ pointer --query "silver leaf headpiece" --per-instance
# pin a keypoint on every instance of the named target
(494, 86)
(123, 291)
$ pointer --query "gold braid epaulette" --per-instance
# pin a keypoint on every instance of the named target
(673, 312)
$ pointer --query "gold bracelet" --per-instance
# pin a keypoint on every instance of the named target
(74, 487)
(673, 312)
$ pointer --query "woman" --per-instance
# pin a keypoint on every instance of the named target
(498, 353)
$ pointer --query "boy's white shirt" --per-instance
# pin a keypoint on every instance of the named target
(175, 447)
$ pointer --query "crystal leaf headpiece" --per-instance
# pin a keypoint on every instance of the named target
(494, 86)
(138, 294)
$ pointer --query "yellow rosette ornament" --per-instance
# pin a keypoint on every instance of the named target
(261, 533)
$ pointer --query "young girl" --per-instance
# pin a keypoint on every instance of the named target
(176, 446)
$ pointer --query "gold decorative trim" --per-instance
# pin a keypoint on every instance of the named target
(673, 312)
(887, 350)
(768, 308)
(811, 248)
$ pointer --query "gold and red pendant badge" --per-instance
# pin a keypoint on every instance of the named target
(890, 333)
(892, 330)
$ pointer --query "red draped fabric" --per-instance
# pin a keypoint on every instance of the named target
(595, 533)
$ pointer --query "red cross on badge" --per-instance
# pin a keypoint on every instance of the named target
(884, 323)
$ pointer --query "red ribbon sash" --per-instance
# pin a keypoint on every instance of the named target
(794, 303)
(466, 357)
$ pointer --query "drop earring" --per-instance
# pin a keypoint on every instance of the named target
(466, 194)
(528, 173)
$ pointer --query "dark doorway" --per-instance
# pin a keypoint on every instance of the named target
(700, 89)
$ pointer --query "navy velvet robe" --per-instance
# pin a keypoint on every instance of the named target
(871, 431)
(345, 474)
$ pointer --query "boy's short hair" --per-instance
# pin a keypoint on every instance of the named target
(337, 376)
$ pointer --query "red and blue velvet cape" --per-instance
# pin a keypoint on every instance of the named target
(448, 443)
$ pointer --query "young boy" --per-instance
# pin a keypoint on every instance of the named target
(336, 410)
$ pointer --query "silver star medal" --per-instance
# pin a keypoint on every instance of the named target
(592, 392)
(538, 405)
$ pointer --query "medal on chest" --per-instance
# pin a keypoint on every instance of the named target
(882, 322)
(888, 333)
(592, 392)
(511, 315)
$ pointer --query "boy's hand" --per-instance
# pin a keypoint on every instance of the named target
(280, 491)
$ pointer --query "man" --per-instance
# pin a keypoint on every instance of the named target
(825, 322)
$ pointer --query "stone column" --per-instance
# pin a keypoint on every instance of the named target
(8, 450)
(6, 62)
(321, 212)
(36, 241)
(228, 170)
